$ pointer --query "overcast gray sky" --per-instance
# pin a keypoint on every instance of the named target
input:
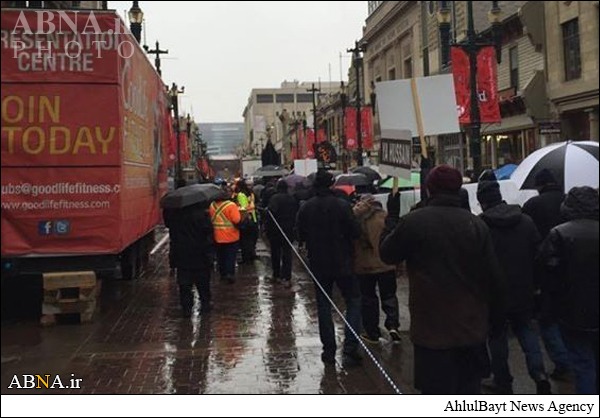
(220, 50)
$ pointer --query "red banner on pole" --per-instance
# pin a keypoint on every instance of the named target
(185, 149)
(350, 125)
(321, 135)
(171, 141)
(310, 144)
(487, 85)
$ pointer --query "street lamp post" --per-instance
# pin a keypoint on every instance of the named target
(174, 93)
(472, 44)
(136, 17)
(357, 61)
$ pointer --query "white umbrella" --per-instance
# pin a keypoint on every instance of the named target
(572, 163)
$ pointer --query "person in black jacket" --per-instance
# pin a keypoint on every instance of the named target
(328, 226)
(544, 209)
(284, 208)
(193, 234)
(456, 288)
(569, 256)
(516, 241)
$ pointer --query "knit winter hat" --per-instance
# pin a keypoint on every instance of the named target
(443, 179)
(488, 193)
(323, 179)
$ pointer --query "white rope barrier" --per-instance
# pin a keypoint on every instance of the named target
(339, 312)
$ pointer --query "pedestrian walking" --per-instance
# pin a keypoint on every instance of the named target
(225, 217)
(516, 240)
(249, 224)
(373, 274)
(193, 255)
(328, 226)
(284, 208)
(456, 289)
(569, 256)
(544, 209)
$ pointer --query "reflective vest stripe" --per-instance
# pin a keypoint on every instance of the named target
(219, 219)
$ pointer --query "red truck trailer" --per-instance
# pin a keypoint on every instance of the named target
(85, 126)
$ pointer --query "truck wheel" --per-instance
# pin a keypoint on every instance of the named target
(130, 263)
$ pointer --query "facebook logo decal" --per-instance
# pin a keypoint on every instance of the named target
(45, 227)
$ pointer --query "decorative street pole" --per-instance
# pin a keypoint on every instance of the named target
(357, 61)
(472, 44)
(344, 103)
(174, 93)
(314, 92)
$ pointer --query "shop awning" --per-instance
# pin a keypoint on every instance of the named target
(512, 123)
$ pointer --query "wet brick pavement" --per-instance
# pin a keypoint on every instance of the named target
(260, 338)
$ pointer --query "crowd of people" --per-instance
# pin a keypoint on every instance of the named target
(530, 270)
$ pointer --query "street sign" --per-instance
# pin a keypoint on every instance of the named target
(549, 127)
(395, 153)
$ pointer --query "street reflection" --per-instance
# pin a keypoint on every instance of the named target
(282, 353)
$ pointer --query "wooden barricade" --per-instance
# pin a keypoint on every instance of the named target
(72, 292)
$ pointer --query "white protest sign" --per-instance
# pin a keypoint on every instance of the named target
(434, 96)
(305, 167)
(395, 153)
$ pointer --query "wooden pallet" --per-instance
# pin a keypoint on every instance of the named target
(69, 293)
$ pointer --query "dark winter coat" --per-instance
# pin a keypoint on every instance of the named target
(569, 256)
(516, 240)
(456, 287)
(284, 208)
(545, 209)
(192, 232)
(328, 226)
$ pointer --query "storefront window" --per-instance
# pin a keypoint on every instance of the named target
(509, 149)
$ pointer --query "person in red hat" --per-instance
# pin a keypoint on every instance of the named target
(456, 288)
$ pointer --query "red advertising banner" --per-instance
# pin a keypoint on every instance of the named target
(51, 125)
(64, 46)
(487, 84)
(61, 210)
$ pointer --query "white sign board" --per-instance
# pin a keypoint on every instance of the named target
(437, 101)
(305, 167)
(395, 153)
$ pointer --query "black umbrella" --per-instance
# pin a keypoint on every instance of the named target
(190, 195)
(371, 174)
(572, 164)
(352, 180)
(271, 171)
